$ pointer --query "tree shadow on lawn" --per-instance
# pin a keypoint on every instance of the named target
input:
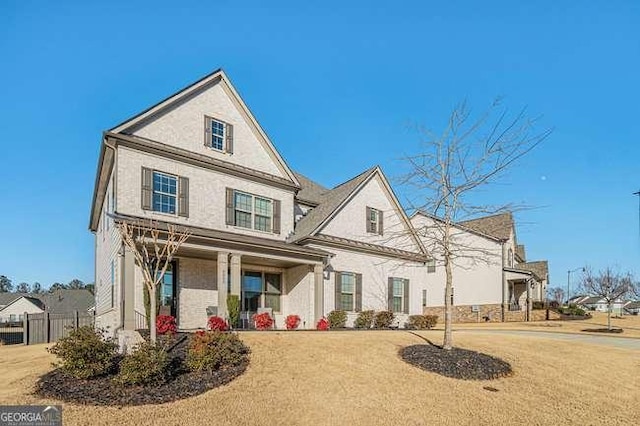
(456, 363)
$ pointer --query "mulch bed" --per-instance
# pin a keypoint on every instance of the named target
(103, 391)
(456, 363)
(603, 330)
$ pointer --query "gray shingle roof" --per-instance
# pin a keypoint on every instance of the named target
(498, 225)
(57, 302)
(329, 202)
(521, 252)
(539, 268)
(310, 191)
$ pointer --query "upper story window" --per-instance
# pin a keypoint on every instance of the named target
(431, 266)
(252, 211)
(218, 135)
(374, 221)
(164, 192)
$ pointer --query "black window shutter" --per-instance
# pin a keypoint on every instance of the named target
(380, 222)
(207, 132)
(358, 292)
(390, 298)
(406, 296)
(183, 196)
(230, 215)
(147, 188)
(338, 295)
(276, 216)
(368, 220)
(228, 138)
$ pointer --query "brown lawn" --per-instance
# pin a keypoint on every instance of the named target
(322, 378)
(629, 323)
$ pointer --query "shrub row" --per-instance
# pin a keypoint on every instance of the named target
(422, 322)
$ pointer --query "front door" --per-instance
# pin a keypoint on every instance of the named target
(168, 305)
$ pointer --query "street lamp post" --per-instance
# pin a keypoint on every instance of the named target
(569, 280)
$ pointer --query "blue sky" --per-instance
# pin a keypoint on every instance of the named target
(340, 81)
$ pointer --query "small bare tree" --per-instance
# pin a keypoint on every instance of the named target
(452, 167)
(153, 249)
(557, 294)
(609, 285)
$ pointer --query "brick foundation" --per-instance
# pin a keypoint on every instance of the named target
(488, 313)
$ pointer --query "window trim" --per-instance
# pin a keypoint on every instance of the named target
(401, 296)
(253, 212)
(431, 266)
(175, 196)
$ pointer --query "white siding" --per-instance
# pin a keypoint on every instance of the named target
(183, 126)
(350, 222)
(477, 272)
(206, 193)
(108, 244)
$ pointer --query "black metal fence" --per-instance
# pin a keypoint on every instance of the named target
(11, 333)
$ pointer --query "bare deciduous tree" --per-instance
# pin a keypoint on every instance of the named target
(153, 249)
(469, 155)
(557, 294)
(609, 285)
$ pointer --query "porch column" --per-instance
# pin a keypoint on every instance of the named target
(318, 301)
(128, 287)
(236, 274)
(529, 304)
(221, 280)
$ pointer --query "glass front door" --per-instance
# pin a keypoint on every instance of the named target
(251, 291)
(167, 292)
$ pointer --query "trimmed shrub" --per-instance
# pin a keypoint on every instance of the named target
(337, 319)
(84, 353)
(166, 324)
(217, 323)
(292, 322)
(215, 350)
(383, 319)
(263, 321)
(422, 322)
(364, 320)
(322, 325)
(148, 364)
(233, 306)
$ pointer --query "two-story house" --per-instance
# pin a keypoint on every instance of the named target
(276, 239)
(492, 279)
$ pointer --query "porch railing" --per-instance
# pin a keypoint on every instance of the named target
(141, 321)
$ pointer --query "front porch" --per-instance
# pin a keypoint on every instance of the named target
(265, 275)
(518, 294)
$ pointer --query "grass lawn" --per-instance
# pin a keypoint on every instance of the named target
(357, 378)
(629, 323)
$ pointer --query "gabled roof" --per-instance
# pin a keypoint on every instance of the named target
(328, 205)
(498, 225)
(520, 252)
(539, 268)
(33, 300)
(456, 225)
(105, 161)
(310, 192)
(60, 301)
(591, 300)
(6, 297)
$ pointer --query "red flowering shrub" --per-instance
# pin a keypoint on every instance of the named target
(166, 324)
(323, 324)
(217, 323)
(263, 321)
(292, 322)
(200, 333)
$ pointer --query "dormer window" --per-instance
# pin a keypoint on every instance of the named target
(218, 135)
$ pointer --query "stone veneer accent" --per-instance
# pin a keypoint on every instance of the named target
(490, 313)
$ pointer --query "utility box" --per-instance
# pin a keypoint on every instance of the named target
(475, 308)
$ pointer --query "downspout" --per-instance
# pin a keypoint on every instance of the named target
(120, 325)
(504, 280)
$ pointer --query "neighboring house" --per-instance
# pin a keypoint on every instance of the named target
(492, 280)
(259, 230)
(58, 302)
(632, 308)
(599, 304)
(577, 300)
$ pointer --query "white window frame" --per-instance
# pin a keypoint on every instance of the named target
(401, 295)
(253, 211)
(154, 192)
(352, 293)
(372, 224)
(431, 266)
(215, 137)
